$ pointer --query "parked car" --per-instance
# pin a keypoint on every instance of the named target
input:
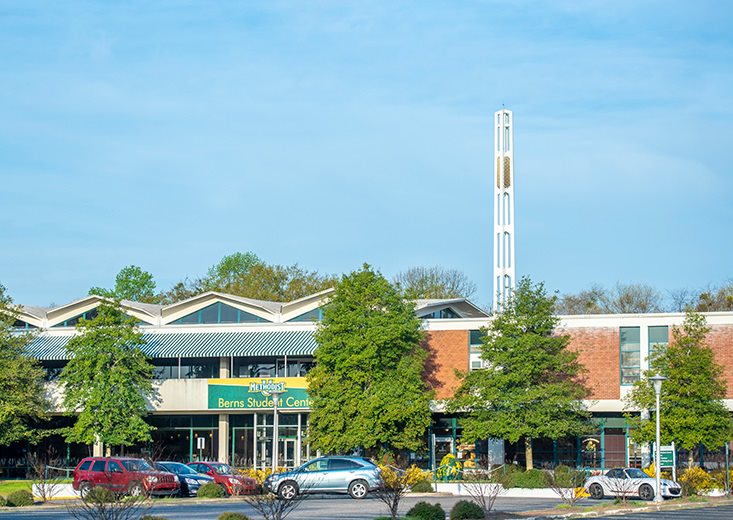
(124, 475)
(225, 476)
(356, 476)
(189, 479)
(629, 482)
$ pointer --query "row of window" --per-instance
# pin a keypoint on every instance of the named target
(206, 368)
(630, 343)
(215, 313)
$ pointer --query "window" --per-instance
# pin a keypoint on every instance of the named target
(343, 464)
(446, 313)
(53, 369)
(658, 341)
(630, 357)
(312, 315)
(218, 313)
(85, 465)
(20, 324)
(199, 368)
(98, 465)
(114, 467)
(72, 322)
(317, 465)
(165, 368)
(475, 337)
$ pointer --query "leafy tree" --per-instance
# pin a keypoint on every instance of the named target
(182, 290)
(692, 407)
(434, 282)
(22, 394)
(712, 300)
(532, 388)
(367, 385)
(131, 283)
(280, 283)
(107, 381)
(229, 270)
(623, 298)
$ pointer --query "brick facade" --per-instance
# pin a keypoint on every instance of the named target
(448, 351)
(600, 355)
(720, 340)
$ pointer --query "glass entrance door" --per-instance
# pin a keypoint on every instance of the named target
(286, 453)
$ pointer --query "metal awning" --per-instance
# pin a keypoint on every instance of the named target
(197, 344)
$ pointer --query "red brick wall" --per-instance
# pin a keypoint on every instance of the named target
(448, 351)
(720, 340)
(600, 354)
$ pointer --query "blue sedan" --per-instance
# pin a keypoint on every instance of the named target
(189, 478)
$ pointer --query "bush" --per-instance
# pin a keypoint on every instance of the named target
(718, 477)
(532, 479)
(100, 495)
(211, 490)
(20, 498)
(465, 510)
(423, 486)
(425, 511)
(3, 502)
(152, 517)
(696, 481)
(232, 516)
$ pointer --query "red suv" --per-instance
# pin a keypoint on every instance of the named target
(225, 476)
(124, 475)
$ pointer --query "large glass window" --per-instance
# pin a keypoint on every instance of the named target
(20, 324)
(218, 313)
(272, 367)
(658, 341)
(630, 356)
(53, 369)
(199, 368)
(71, 322)
(446, 313)
(165, 368)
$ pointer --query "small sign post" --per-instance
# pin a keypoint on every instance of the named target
(200, 444)
(667, 459)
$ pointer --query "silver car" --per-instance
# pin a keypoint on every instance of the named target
(629, 482)
(353, 475)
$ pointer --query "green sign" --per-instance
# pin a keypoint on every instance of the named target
(257, 394)
(666, 457)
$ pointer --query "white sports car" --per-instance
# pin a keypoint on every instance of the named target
(629, 482)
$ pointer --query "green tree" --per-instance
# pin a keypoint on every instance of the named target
(229, 270)
(107, 381)
(131, 283)
(693, 411)
(434, 282)
(720, 299)
(532, 388)
(280, 283)
(22, 394)
(367, 385)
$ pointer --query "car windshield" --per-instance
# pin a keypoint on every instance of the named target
(222, 469)
(136, 465)
(177, 468)
(636, 473)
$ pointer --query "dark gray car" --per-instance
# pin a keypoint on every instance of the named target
(353, 475)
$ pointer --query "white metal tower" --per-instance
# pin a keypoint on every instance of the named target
(504, 274)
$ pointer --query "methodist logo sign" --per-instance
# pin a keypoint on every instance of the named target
(256, 393)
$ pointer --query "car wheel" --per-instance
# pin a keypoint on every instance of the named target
(288, 490)
(358, 489)
(136, 489)
(84, 489)
(646, 492)
(596, 491)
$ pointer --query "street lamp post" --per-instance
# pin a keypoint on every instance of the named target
(275, 427)
(657, 382)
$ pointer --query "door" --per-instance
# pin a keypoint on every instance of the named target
(116, 476)
(314, 476)
(286, 453)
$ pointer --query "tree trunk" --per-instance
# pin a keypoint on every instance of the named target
(690, 458)
(528, 453)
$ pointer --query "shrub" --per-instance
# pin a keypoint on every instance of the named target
(3, 502)
(532, 479)
(696, 481)
(152, 517)
(465, 510)
(100, 495)
(718, 477)
(20, 498)
(423, 486)
(232, 516)
(425, 511)
(211, 490)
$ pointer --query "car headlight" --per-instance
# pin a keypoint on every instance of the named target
(192, 482)
(234, 481)
(152, 480)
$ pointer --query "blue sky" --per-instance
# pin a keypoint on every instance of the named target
(332, 133)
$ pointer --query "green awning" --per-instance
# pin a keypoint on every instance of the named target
(198, 344)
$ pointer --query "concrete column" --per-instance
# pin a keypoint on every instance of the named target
(224, 367)
(224, 442)
(98, 449)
